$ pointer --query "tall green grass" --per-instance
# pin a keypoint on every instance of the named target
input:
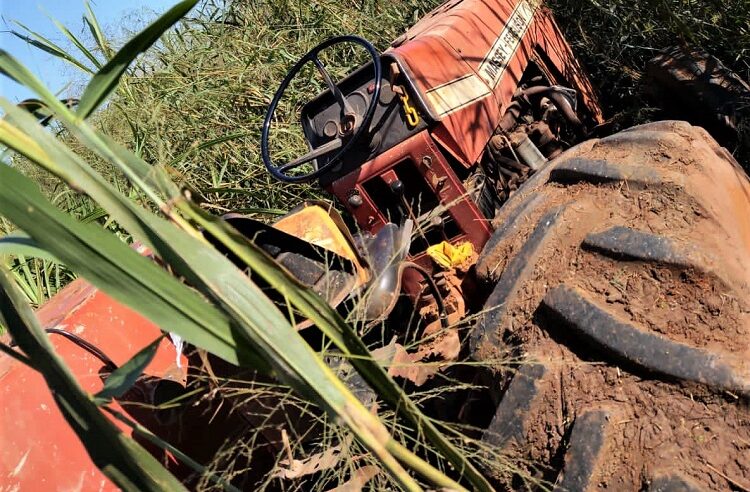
(614, 39)
(196, 101)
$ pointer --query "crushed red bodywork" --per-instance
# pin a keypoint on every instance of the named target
(38, 449)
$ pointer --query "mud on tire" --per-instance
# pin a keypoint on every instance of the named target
(621, 279)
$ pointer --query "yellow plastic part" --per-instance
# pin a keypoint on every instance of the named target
(314, 225)
(449, 256)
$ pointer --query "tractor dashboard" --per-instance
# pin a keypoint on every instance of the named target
(390, 125)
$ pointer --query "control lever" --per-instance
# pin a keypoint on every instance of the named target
(397, 188)
(439, 224)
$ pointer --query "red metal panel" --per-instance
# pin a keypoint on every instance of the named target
(38, 450)
(440, 178)
(448, 52)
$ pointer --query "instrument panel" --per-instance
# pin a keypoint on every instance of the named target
(394, 120)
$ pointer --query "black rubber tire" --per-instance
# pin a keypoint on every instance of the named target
(693, 85)
(619, 317)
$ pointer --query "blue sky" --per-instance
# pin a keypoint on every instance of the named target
(35, 14)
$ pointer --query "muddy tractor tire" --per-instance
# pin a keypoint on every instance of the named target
(693, 85)
(620, 308)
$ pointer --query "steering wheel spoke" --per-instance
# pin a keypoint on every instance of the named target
(352, 126)
(324, 149)
(340, 98)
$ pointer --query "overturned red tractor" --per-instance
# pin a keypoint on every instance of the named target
(602, 281)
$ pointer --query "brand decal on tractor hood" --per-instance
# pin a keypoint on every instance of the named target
(467, 89)
(494, 64)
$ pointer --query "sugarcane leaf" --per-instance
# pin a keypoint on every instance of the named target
(96, 31)
(41, 43)
(123, 378)
(18, 243)
(10, 67)
(120, 271)
(206, 145)
(126, 463)
(20, 132)
(78, 44)
(107, 78)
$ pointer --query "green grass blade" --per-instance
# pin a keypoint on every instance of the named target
(40, 42)
(126, 463)
(121, 272)
(95, 215)
(22, 280)
(96, 32)
(123, 378)
(18, 243)
(20, 132)
(29, 281)
(13, 354)
(107, 78)
(10, 67)
(78, 44)
(254, 210)
(205, 145)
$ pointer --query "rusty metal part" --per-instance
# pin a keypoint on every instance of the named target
(561, 97)
(547, 141)
(439, 342)
(510, 117)
(442, 314)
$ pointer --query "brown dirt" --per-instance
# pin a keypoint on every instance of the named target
(668, 301)
(689, 430)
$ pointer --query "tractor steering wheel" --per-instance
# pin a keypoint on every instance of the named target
(351, 128)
